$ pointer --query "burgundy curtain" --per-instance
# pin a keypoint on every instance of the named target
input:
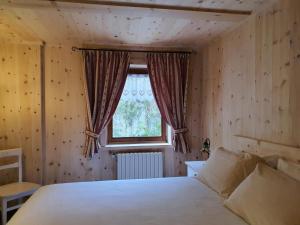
(169, 77)
(105, 76)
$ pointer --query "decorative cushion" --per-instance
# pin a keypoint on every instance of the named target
(267, 197)
(225, 170)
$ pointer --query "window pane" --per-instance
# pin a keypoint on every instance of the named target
(137, 114)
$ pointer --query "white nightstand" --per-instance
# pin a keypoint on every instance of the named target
(193, 167)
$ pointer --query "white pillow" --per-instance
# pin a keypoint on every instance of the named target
(267, 197)
(225, 170)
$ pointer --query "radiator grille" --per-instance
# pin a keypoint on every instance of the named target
(139, 165)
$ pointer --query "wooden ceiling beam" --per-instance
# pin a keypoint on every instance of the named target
(163, 10)
(157, 6)
(139, 9)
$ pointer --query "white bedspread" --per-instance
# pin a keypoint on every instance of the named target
(164, 201)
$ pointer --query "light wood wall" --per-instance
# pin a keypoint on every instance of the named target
(65, 116)
(245, 82)
(65, 123)
(250, 83)
(20, 106)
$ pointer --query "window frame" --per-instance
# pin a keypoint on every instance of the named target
(137, 140)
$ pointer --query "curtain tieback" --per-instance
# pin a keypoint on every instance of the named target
(180, 131)
(92, 134)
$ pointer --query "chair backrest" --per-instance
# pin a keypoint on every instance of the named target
(16, 152)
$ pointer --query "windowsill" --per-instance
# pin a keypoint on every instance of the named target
(137, 146)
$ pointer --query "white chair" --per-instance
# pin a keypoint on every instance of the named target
(16, 190)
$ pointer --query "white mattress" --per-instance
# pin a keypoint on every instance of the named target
(164, 201)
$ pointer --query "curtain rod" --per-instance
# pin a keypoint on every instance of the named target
(127, 50)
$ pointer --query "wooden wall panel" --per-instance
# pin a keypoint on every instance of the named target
(65, 123)
(65, 116)
(20, 106)
(245, 82)
(65, 119)
(252, 79)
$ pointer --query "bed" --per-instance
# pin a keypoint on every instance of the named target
(162, 201)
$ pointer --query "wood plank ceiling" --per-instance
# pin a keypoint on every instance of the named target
(60, 22)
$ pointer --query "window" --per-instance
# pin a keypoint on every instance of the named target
(137, 118)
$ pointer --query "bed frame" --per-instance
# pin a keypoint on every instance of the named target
(265, 148)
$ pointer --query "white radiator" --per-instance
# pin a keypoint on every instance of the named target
(139, 165)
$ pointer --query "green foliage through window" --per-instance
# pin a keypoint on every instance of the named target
(137, 114)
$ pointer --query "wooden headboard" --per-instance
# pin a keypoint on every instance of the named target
(266, 148)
